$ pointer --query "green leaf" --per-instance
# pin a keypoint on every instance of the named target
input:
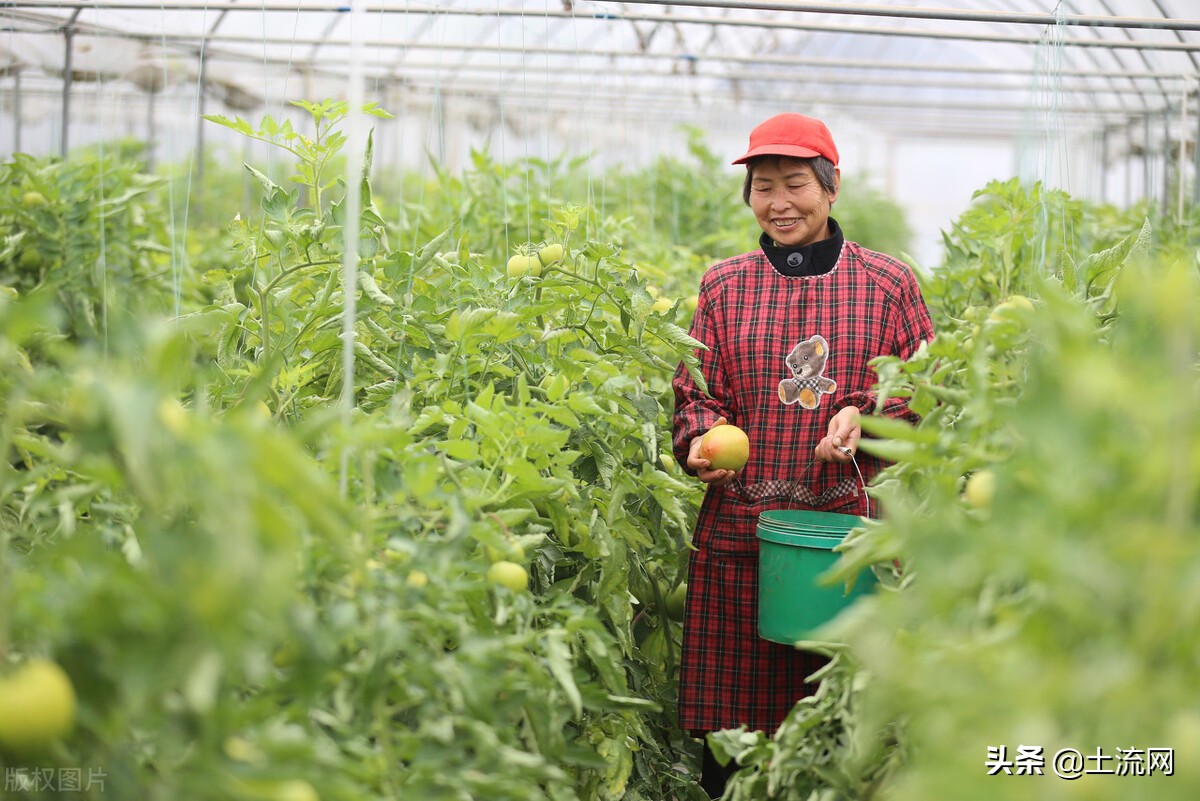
(896, 451)
(692, 365)
(896, 429)
(558, 659)
(269, 186)
(585, 404)
(375, 111)
(678, 337)
(462, 449)
(240, 125)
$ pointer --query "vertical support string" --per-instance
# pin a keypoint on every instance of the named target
(590, 89)
(526, 134)
(355, 166)
(503, 130)
(1044, 146)
(196, 161)
(178, 251)
(547, 110)
(102, 205)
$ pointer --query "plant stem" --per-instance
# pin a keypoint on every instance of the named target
(290, 270)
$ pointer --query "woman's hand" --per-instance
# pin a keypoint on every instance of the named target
(703, 468)
(841, 443)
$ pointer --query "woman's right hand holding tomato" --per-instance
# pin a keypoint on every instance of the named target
(703, 468)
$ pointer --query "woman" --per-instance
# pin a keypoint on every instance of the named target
(790, 330)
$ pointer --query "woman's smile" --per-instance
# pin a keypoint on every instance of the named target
(788, 201)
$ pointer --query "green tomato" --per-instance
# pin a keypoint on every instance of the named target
(30, 259)
(510, 575)
(550, 254)
(1020, 302)
(521, 265)
(173, 416)
(37, 707)
(980, 489)
(676, 601)
(295, 790)
(511, 551)
(284, 657)
(33, 199)
(281, 790)
(1012, 307)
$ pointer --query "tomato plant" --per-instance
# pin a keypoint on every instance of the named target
(91, 230)
(371, 655)
(466, 581)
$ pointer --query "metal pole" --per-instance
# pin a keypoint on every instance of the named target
(1128, 164)
(151, 144)
(1196, 163)
(848, 9)
(202, 88)
(1104, 164)
(827, 99)
(68, 37)
(757, 60)
(974, 86)
(190, 44)
(355, 169)
(17, 111)
(1101, 43)
(931, 124)
(68, 69)
(947, 14)
(1146, 160)
(202, 101)
(1183, 103)
(1167, 162)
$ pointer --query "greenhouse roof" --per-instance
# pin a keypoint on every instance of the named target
(972, 71)
(1107, 81)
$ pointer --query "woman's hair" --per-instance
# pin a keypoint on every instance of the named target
(822, 167)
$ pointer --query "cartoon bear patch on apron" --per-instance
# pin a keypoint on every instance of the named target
(807, 363)
(807, 384)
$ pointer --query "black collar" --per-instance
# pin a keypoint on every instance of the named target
(815, 259)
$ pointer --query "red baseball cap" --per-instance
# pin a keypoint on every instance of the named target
(791, 135)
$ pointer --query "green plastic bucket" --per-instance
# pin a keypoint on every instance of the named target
(836, 533)
(804, 520)
(795, 548)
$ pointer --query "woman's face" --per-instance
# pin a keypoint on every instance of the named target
(789, 202)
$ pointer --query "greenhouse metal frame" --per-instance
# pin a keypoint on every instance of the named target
(1098, 96)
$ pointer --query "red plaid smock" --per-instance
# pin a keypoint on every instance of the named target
(751, 317)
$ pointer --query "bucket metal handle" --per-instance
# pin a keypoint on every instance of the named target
(749, 494)
(862, 481)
